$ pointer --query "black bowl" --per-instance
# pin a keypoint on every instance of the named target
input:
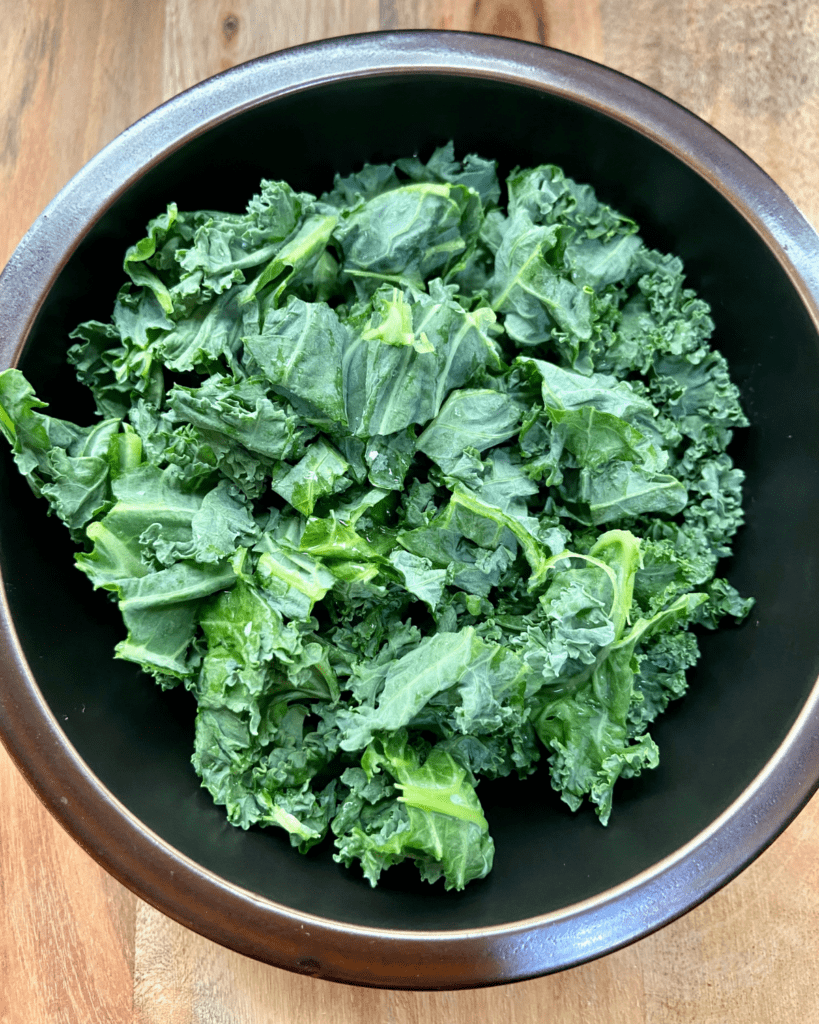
(109, 753)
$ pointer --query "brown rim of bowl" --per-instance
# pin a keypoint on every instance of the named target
(198, 899)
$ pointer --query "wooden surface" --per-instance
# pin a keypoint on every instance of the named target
(77, 948)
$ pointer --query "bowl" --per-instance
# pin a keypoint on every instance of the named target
(109, 753)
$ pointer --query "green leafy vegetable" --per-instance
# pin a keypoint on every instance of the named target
(409, 489)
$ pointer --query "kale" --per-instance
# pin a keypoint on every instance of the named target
(409, 489)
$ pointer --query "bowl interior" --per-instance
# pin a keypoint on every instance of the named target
(751, 681)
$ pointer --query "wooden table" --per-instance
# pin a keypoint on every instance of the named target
(77, 948)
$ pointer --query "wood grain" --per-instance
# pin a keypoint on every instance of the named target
(572, 25)
(77, 948)
(749, 67)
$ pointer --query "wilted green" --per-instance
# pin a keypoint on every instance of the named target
(409, 488)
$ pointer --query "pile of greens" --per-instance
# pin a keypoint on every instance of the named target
(409, 488)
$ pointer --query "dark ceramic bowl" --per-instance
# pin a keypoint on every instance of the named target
(109, 754)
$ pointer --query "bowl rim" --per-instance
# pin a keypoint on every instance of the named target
(155, 870)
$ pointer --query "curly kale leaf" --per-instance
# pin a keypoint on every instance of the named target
(410, 487)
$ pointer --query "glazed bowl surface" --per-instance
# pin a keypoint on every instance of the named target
(109, 753)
